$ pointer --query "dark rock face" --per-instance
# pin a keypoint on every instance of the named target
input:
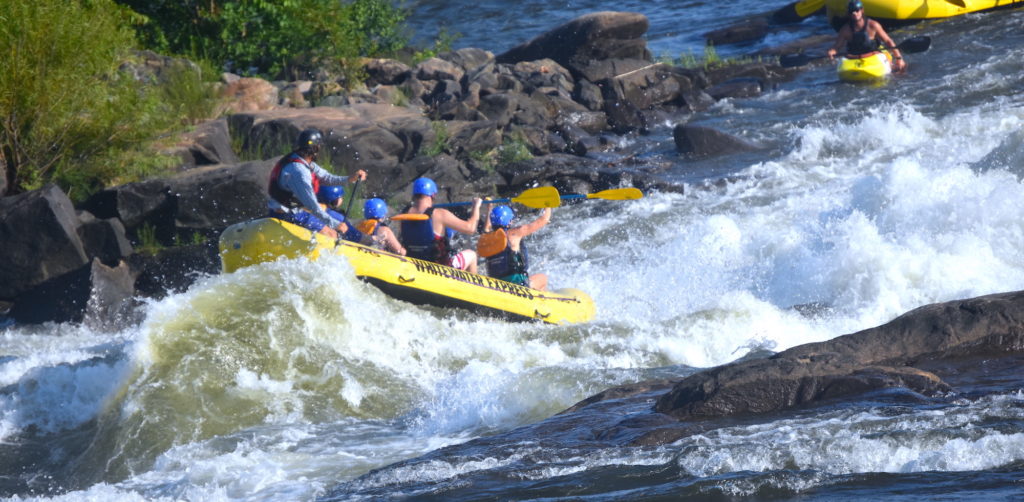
(104, 239)
(872, 359)
(700, 141)
(596, 36)
(95, 292)
(38, 239)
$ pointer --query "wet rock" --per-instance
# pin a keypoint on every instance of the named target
(591, 37)
(871, 359)
(207, 200)
(173, 269)
(736, 88)
(38, 239)
(93, 291)
(132, 203)
(700, 141)
(104, 239)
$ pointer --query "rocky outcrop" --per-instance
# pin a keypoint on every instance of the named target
(95, 292)
(38, 239)
(876, 358)
(588, 38)
(697, 141)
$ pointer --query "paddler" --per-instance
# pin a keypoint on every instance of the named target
(430, 239)
(376, 211)
(294, 183)
(502, 247)
(862, 35)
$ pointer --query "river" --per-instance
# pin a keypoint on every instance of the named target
(294, 381)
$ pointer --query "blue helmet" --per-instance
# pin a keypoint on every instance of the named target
(501, 216)
(330, 193)
(375, 209)
(854, 6)
(424, 186)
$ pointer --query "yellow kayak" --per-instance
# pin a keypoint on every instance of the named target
(869, 67)
(914, 10)
(409, 279)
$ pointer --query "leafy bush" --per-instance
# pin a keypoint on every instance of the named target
(68, 114)
(274, 38)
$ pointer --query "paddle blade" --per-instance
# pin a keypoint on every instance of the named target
(539, 198)
(617, 194)
(915, 44)
(410, 217)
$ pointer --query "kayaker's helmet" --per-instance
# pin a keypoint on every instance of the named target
(330, 193)
(424, 186)
(501, 216)
(309, 143)
(375, 209)
(854, 6)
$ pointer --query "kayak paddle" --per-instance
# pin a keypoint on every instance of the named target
(913, 45)
(613, 194)
(537, 198)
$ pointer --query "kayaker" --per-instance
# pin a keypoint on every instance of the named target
(503, 248)
(294, 182)
(862, 35)
(429, 239)
(375, 211)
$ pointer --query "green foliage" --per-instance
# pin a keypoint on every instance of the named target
(148, 242)
(514, 149)
(190, 92)
(485, 159)
(711, 60)
(443, 43)
(274, 38)
(440, 143)
(67, 114)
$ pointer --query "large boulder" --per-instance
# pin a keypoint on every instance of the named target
(38, 239)
(588, 38)
(208, 144)
(132, 203)
(249, 95)
(875, 358)
(94, 292)
(208, 200)
(698, 141)
(103, 238)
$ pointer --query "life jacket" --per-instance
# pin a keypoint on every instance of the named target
(502, 261)
(859, 43)
(368, 226)
(420, 242)
(282, 196)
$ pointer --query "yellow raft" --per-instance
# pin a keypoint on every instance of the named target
(914, 10)
(409, 279)
(870, 67)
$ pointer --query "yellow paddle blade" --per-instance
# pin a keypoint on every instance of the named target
(539, 198)
(805, 8)
(410, 217)
(617, 194)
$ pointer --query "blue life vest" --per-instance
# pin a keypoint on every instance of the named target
(420, 242)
